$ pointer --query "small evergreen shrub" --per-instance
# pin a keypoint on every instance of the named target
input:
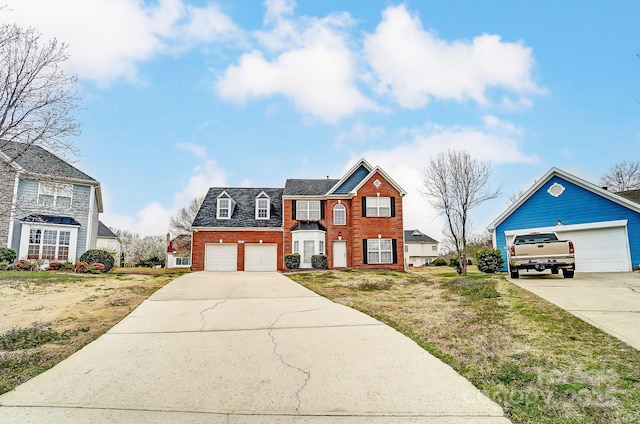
(24, 265)
(319, 261)
(96, 268)
(455, 264)
(66, 266)
(489, 260)
(98, 256)
(81, 267)
(151, 262)
(440, 262)
(7, 255)
(292, 261)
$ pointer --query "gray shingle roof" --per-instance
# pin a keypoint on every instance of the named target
(415, 236)
(308, 187)
(244, 213)
(104, 231)
(34, 159)
(633, 195)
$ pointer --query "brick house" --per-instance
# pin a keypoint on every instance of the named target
(356, 221)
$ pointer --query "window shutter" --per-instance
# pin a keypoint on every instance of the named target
(364, 251)
(394, 248)
(393, 207)
(293, 209)
(323, 203)
(364, 207)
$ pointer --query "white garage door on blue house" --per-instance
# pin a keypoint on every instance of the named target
(604, 227)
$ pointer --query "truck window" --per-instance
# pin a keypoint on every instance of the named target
(535, 238)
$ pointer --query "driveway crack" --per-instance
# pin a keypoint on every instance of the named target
(307, 374)
(204, 311)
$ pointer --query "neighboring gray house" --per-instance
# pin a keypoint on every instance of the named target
(419, 248)
(109, 241)
(48, 208)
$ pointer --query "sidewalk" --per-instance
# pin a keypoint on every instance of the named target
(248, 348)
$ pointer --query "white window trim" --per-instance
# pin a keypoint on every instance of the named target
(224, 196)
(263, 196)
(26, 231)
(57, 189)
(379, 250)
(374, 203)
(308, 210)
(342, 208)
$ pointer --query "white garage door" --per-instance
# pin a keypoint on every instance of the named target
(600, 250)
(260, 257)
(221, 257)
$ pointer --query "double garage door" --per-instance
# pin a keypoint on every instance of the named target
(257, 257)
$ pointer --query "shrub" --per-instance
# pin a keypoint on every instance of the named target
(319, 261)
(4, 265)
(7, 255)
(440, 262)
(96, 268)
(81, 267)
(151, 262)
(292, 261)
(66, 266)
(489, 260)
(24, 265)
(54, 266)
(455, 264)
(97, 256)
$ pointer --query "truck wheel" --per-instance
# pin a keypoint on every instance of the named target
(514, 273)
(568, 273)
(554, 271)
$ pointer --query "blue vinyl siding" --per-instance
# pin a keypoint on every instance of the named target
(351, 182)
(575, 205)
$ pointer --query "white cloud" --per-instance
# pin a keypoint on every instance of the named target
(495, 141)
(359, 133)
(313, 66)
(108, 39)
(153, 218)
(415, 66)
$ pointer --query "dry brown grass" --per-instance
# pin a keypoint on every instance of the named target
(540, 363)
(83, 306)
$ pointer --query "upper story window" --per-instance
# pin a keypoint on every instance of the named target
(57, 195)
(262, 206)
(339, 214)
(308, 210)
(378, 206)
(225, 206)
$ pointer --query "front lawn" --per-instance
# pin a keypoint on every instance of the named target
(540, 363)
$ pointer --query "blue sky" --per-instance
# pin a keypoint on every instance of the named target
(181, 95)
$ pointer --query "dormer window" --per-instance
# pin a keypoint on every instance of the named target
(225, 206)
(263, 206)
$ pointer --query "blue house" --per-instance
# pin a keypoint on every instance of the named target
(604, 226)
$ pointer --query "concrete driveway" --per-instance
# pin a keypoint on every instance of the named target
(248, 348)
(608, 301)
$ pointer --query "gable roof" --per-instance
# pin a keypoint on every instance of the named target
(415, 236)
(633, 195)
(36, 160)
(104, 231)
(308, 187)
(244, 212)
(555, 172)
(352, 178)
(386, 176)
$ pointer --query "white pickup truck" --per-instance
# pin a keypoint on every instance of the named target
(540, 251)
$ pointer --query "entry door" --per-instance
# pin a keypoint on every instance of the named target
(308, 250)
(339, 254)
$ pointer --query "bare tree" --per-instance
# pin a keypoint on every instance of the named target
(622, 176)
(181, 222)
(514, 197)
(37, 97)
(455, 183)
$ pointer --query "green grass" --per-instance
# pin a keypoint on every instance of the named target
(540, 363)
